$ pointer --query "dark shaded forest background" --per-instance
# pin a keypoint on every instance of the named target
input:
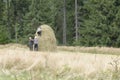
(87, 23)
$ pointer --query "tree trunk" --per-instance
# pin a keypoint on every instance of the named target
(8, 19)
(64, 23)
(16, 32)
(15, 22)
(76, 21)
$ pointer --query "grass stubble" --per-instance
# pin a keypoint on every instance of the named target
(18, 63)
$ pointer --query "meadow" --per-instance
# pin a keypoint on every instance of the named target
(67, 63)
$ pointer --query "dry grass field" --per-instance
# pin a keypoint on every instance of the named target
(67, 63)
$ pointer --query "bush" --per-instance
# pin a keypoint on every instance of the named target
(4, 35)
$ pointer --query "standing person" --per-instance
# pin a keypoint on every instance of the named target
(36, 43)
(31, 42)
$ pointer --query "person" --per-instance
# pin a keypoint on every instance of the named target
(31, 41)
(35, 43)
(39, 31)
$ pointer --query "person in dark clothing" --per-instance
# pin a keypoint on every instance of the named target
(35, 43)
(31, 42)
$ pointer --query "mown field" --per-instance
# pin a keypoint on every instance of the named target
(67, 63)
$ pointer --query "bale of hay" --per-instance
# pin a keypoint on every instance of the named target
(47, 40)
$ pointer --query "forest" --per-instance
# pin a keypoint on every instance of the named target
(75, 22)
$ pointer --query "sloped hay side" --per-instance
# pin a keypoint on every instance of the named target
(47, 40)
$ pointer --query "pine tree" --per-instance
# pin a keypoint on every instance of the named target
(3, 32)
(100, 24)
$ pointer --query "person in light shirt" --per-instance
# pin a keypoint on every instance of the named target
(35, 43)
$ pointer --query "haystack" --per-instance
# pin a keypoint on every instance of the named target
(47, 40)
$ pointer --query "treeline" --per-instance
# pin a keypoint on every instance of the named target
(75, 22)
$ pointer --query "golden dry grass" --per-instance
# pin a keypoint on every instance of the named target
(47, 40)
(18, 58)
(95, 50)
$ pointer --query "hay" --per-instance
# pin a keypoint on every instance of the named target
(47, 40)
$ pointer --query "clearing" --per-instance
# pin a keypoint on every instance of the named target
(18, 63)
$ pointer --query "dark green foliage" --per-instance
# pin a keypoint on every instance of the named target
(98, 20)
(3, 31)
(3, 35)
(100, 23)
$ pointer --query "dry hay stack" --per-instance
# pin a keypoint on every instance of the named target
(47, 40)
